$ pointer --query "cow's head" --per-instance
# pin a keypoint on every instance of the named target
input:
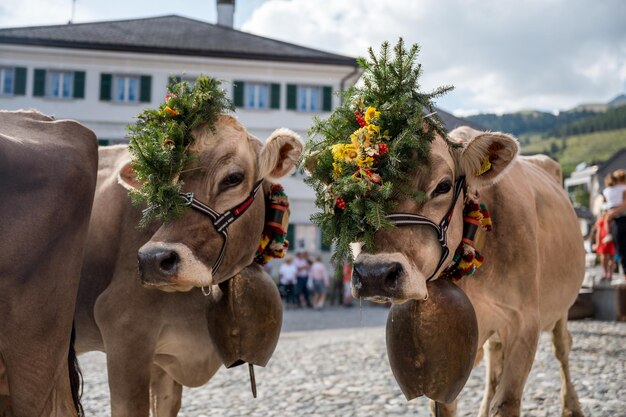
(226, 166)
(405, 257)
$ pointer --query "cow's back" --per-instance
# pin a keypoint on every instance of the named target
(534, 257)
(47, 180)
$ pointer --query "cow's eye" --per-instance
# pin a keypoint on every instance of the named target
(231, 180)
(442, 188)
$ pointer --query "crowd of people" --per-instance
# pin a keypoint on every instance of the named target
(610, 235)
(304, 282)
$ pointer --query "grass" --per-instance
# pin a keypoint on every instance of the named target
(572, 150)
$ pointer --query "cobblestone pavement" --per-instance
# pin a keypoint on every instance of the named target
(343, 371)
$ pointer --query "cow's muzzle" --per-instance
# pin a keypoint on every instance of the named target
(387, 277)
(157, 265)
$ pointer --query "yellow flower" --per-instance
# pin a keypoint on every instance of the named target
(361, 137)
(371, 113)
(337, 151)
(373, 129)
(345, 152)
(351, 153)
(366, 162)
(337, 170)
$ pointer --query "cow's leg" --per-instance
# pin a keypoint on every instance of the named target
(165, 394)
(519, 344)
(494, 372)
(129, 342)
(562, 342)
(445, 410)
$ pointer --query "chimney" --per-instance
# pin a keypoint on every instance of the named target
(225, 12)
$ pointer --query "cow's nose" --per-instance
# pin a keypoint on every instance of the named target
(378, 279)
(156, 264)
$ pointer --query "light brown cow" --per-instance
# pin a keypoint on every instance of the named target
(47, 182)
(158, 341)
(534, 259)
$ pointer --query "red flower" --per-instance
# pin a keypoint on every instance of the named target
(168, 96)
(383, 148)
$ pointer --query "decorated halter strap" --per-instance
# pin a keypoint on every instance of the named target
(466, 259)
(222, 221)
(406, 219)
(274, 243)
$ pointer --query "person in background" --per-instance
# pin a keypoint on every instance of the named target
(319, 275)
(302, 291)
(615, 196)
(287, 280)
(347, 291)
(604, 245)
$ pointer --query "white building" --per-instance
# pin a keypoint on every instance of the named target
(105, 73)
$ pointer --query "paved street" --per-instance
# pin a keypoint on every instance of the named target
(333, 363)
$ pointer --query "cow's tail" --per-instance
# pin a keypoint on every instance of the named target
(76, 376)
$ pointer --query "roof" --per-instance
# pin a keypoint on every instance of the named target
(451, 122)
(171, 35)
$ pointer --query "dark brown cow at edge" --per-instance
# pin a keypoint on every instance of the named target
(47, 182)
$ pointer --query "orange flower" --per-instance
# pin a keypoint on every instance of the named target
(172, 112)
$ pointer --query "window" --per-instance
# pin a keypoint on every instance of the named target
(60, 84)
(257, 96)
(309, 98)
(126, 88)
(7, 80)
(12, 81)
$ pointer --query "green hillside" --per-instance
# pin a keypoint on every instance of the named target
(529, 121)
(572, 150)
(612, 119)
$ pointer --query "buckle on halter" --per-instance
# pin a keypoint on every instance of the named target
(188, 197)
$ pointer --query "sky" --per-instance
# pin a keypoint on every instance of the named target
(501, 55)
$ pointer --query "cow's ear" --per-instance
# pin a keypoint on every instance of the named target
(126, 177)
(280, 154)
(486, 157)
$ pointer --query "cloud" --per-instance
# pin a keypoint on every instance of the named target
(37, 12)
(500, 55)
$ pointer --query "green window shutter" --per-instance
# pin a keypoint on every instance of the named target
(145, 88)
(292, 96)
(327, 98)
(291, 236)
(238, 91)
(106, 83)
(324, 247)
(79, 84)
(275, 96)
(39, 89)
(20, 81)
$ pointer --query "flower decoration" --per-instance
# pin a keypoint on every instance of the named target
(160, 139)
(360, 156)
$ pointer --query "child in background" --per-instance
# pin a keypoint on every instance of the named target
(605, 247)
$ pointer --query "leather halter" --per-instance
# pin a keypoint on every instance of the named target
(406, 219)
(223, 220)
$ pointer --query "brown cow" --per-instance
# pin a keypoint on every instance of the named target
(534, 259)
(47, 182)
(158, 341)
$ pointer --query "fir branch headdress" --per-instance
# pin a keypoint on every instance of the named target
(369, 144)
(160, 139)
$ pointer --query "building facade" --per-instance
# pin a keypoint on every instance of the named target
(103, 74)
